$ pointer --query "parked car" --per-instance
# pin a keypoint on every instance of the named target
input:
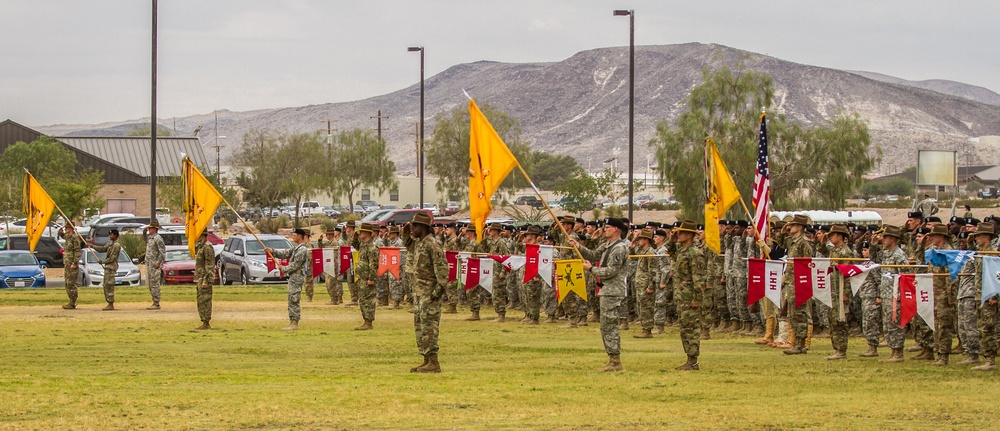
(177, 236)
(398, 217)
(525, 200)
(435, 210)
(99, 235)
(178, 267)
(92, 272)
(331, 212)
(20, 268)
(641, 199)
(18, 226)
(368, 205)
(243, 259)
(310, 208)
(48, 251)
(99, 220)
(451, 208)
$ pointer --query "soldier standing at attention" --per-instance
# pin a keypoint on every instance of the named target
(573, 305)
(298, 258)
(796, 245)
(155, 253)
(612, 258)
(987, 319)
(645, 276)
(662, 280)
(496, 245)
(112, 249)
(395, 286)
(346, 240)
(71, 258)
(970, 294)
(945, 299)
(334, 287)
(452, 289)
(431, 270)
(204, 277)
(367, 268)
(840, 292)
(533, 288)
(891, 254)
(689, 290)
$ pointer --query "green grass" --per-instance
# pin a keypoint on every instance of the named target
(137, 369)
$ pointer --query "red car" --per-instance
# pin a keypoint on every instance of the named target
(178, 268)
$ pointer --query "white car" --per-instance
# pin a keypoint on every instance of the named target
(435, 211)
(100, 219)
(92, 273)
(17, 226)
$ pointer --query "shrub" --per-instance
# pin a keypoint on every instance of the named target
(134, 245)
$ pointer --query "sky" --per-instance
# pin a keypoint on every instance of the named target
(68, 62)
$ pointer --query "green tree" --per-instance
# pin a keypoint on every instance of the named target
(80, 193)
(358, 158)
(549, 170)
(579, 191)
(971, 186)
(261, 175)
(303, 168)
(447, 150)
(828, 160)
(55, 167)
(143, 130)
(893, 186)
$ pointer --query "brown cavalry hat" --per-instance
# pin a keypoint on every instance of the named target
(422, 218)
(890, 230)
(841, 229)
(800, 220)
(939, 229)
(984, 229)
(687, 226)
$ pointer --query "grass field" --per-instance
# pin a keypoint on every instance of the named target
(138, 369)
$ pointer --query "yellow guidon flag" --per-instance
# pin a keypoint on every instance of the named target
(569, 278)
(721, 192)
(38, 207)
(489, 163)
(201, 199)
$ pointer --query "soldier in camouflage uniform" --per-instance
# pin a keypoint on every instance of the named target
(611, 259)
(453, 242)
(72, 249)
(887, 298)
(495, 245)
(945, 299)
(533, 288)
(592, 240)
(112, 249)
(840, 292)
(871, 321)
(797, 245)
(987, 318)
(689, 292)
(298, 260)
(645, 277)
(155, 253)
(574, 306)
(204, 277)
(334, 286)
(713, 277)
(347, 239)
(662, 281)
(367, 268)
(970, 294)
(431, 269)
(395, 285)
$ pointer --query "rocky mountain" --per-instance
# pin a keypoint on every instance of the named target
(972, 92)
(579, 106)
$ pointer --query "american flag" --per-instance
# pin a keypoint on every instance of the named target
(762, 185)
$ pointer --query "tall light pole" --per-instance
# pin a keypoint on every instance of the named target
(631, 100)
(152, 130)
(420, 148)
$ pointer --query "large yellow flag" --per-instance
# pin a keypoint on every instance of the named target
(489, 163)
(569, 278)
(722, 194)
(201, 199)
(38, 207)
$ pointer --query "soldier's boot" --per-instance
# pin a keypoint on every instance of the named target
(970, 358)
(958, 350)
(623, 325)
(799, 349)
(204, 325)
(155, 306)
(926, 354)
(758, 330)
(309, 299)
(941, 361)
(110, 307)
(768, 331)
(530, 321)
(593, 317)
(789, 339)
(809, 337)
(706, 334)
(581, 321)
(353, 303)
(837, 354)
(551, 319)
(501, 318)
(658, 329)
(871, 352)
(293, 325)
(915, 348)
(571, 323)
(69, 306)
(474, 317)
(989, 365)
(895, 356)
(747, 329)
(614, 363)
(414, 369)
(432, 365)
(646, 333)
(690, 365)
(366, 326)
(452, 309)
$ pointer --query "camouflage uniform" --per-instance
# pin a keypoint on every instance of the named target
(645, 278)
(352, 283)
(155, 253)
(204, 276)
(72, 250)
(573, 305)
(612, 258)
(894, 335)
(988, 320)
(394, 285)
(452, 288)
(593, 302)
(743, 249)
(664, 286)
(726, 309)
(713, 277)
(298, 260)
(871, 320)
(689, 291)
(475, 293)
(430, 269)
(334, 286)
(515, 280)
(112, 250)
(840, 296)
(798, 317)
(968, 326)
(498, 247)
(922, 333)
(367, 268)
(945, 304)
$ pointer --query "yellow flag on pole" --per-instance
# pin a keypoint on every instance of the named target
(569, 278)
(489, 163)
(722, 194)
(201, 199)
(38, 207)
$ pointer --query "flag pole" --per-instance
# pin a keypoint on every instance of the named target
(547, 208)
(64, 217)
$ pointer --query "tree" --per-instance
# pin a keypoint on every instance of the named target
(303, 167)
(549, 170)
(447, 151)
(894, 186)
(828, 160)
(972, 186)
(359, 158)
(261, 176)
(143, 130)
(579, 191)
(55, 167)
(80, 193)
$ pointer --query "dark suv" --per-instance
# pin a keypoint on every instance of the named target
(48, 249)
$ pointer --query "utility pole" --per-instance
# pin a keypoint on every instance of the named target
(152, 129)
(378, 123)
(416, 144)
(329, 131)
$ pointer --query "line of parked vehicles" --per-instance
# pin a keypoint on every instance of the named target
(361, 207)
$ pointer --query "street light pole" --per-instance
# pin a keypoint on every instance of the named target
(631, 102)
(420, 148)
(152, 129)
